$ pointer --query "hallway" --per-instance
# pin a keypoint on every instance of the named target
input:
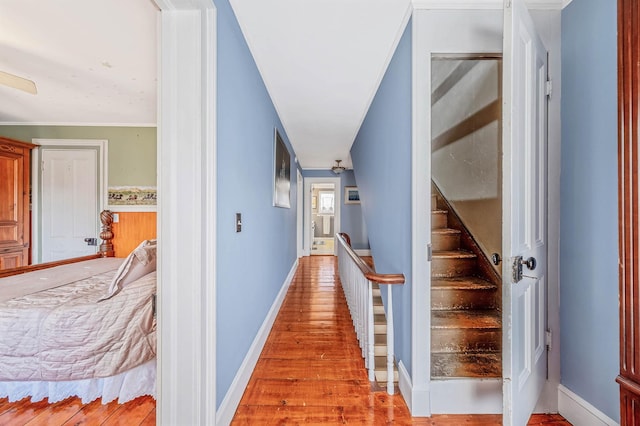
(311, 372)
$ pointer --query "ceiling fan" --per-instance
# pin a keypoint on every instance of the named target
(19, 83)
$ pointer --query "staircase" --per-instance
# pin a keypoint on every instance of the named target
(466, 328)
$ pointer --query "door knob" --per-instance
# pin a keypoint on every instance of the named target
(496, 259)
(530, 263)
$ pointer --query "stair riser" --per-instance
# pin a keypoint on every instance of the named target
(465, 340)
(449, 267)
(445, 241)
(438, 220)
(442, 299)
(381, 377)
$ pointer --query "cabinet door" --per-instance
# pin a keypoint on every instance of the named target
(13, 259)
(12, 199)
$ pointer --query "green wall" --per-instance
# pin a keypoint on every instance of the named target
(132, 150)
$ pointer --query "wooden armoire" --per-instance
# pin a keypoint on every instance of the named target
(15, 227)
(629, 223)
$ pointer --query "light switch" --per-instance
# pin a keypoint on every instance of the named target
(116, 218)
(238, 222)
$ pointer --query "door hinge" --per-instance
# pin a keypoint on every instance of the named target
(429, 252)
(549, 88)
(548, 339)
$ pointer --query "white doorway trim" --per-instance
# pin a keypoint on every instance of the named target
(36, 180)
(307, 207)
(299, 215)
(187, 213)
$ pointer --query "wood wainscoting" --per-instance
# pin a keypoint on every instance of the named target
(628, 224)
(131, 229)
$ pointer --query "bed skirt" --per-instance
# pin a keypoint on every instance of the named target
(124, 387)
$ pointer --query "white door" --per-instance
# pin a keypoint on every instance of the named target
(525, 214)
(69, 203)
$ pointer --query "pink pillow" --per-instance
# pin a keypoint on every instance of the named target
(140, 262)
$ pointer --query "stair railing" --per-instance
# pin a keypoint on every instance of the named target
(357, 279)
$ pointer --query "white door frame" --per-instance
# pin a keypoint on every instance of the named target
(417, 388)
(186, 391)
(307, 208)
(299, 214)
(36, 181)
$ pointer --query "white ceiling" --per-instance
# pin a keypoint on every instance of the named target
(93, 61)
(322, 62)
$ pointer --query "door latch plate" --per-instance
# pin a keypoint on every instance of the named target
(516, 269)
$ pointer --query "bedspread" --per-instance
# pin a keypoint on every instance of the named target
(64, 333)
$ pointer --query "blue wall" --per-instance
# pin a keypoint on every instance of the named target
(351, 220)
(381, 156)
(246, 121)
(588, 184)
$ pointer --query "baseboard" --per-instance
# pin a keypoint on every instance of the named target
(363, 252)
(417, 399)
(466, 396)
(580, 412)
(231, 400)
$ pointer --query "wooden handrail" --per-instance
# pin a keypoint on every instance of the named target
(367, 271)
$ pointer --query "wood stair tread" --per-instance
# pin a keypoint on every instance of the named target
(445, 231)
(465, 319)
(453, 254)
(450, 365)
(462, 283)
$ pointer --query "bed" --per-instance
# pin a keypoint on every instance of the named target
(85, 329)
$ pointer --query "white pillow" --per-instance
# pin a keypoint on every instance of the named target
(140, 262)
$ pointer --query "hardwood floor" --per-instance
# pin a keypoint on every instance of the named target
(139, 412)
(310, 372)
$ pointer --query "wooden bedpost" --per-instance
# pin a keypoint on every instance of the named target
(106, 248)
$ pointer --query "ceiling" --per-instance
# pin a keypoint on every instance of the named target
(321, 61)
(92, 63)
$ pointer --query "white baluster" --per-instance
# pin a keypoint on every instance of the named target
(390, 389)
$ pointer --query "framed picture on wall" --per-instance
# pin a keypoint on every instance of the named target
(351, 195)
(281, 172)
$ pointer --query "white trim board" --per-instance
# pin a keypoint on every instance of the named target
(234, 394)
(72, 124)
(464, 396)
(187, 213)
(417, 399)
(580, 412)
(487, 4)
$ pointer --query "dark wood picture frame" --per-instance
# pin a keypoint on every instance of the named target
(281, 172)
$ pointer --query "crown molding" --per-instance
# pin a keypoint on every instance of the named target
(486, 4)
(74, 124)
